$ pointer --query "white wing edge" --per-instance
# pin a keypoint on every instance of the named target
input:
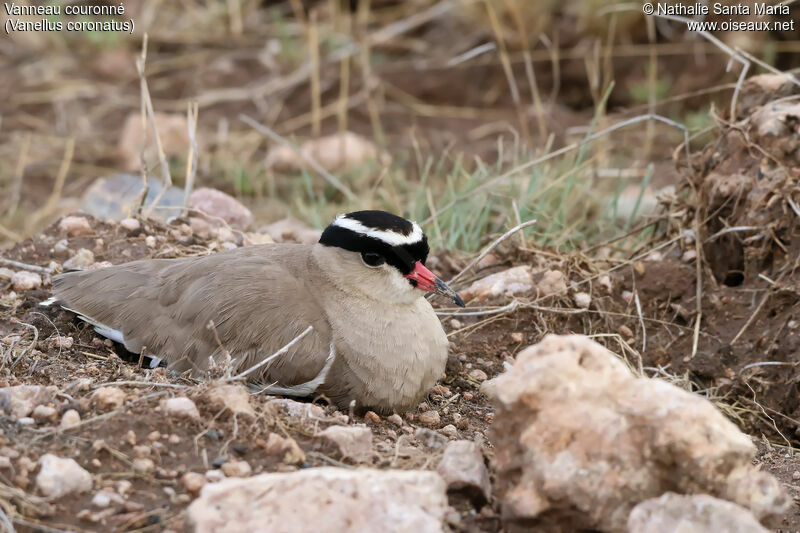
(309, 387)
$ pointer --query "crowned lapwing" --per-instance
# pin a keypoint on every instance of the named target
(375, 338)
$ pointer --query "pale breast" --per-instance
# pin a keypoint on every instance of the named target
(394, 354)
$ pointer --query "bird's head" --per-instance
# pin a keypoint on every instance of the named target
(382, 255)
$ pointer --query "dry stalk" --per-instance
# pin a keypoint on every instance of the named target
(344, 87)
(191, 160)
(652, 81)
(330, 178)
(489, 248)
(530, 73)
(271, 357)
(147, 104)
(25, 266)
(235, 17)
(19, 174)
(316, 91)
(55, 195)
(370, 83)
(641, 320)
(509, 72)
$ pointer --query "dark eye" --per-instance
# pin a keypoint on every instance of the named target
(372, 259)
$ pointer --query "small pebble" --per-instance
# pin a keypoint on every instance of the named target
(582, 300)
(214, 476)
(395, 419)
(61, 247)
(193, 481)
(430, 418)
(517, 337)
(109, 398)
(181, 407)
(226, 235)
(150, 241)
(63, 343)
(81, 260)
(101, 499)
(124, 487)
(69, 419)
(237, 469)
(478, 374)
(142, 451)
(11, 453)
(441, 389)
(449, 431)
(143, 464)
(627, 296)
(44, 414)
(372, 416)
(796, 475)
(455, 323)
(75, 226)
(130, 224)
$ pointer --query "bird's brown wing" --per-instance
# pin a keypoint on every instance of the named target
(258, 299)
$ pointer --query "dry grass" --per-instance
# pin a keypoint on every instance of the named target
(323, 71)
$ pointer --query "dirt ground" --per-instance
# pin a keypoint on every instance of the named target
(107, 442)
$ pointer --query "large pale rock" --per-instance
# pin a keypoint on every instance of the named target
(334, 500)
(218, 205)
(59, 477)
(462, 467)
(21, 400)
(173, 131)
(515, 280)
(116, 197)
(340, 152)
(291, 230)
(579, 441)
(353, 441)
(698, 513)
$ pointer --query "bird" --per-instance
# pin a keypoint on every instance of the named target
(374, 338)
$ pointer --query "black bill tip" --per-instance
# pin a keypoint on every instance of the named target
(442, 289)
(459, 302)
